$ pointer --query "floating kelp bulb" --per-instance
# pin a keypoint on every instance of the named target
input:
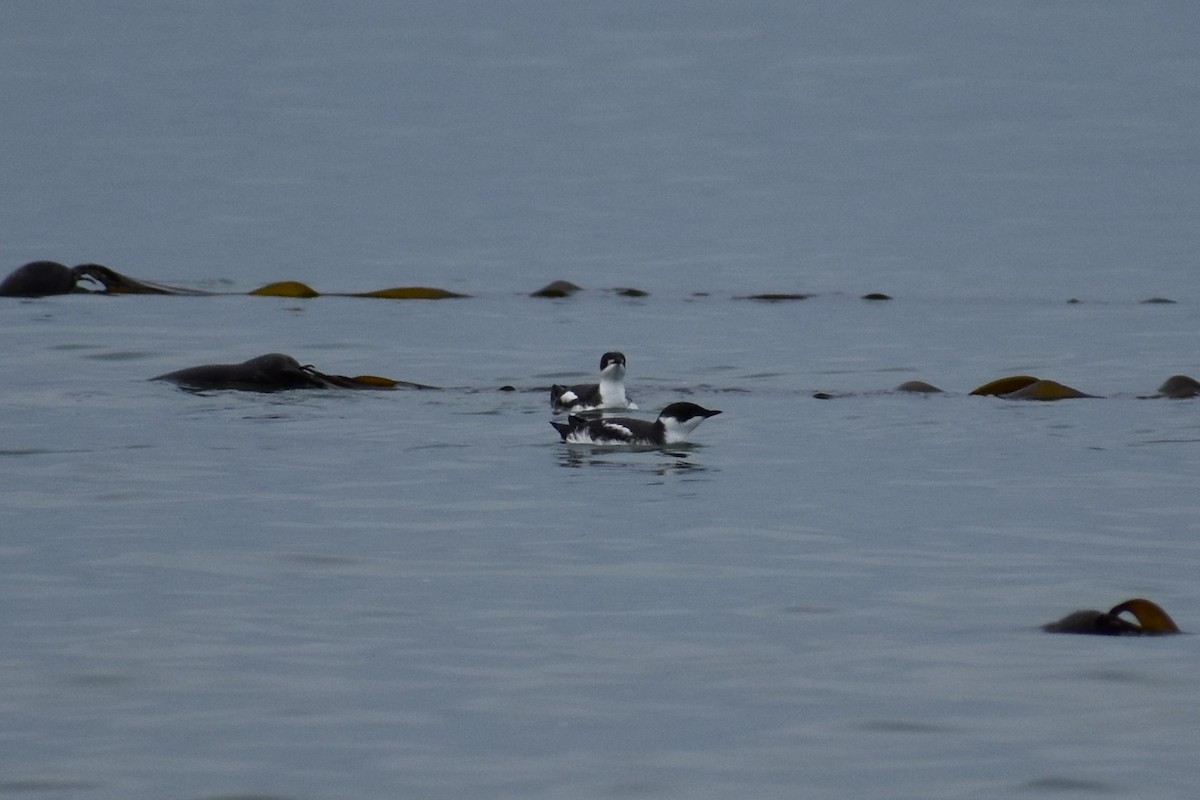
(1179, 386)
(1152, 620)
(876, 296)
(1045, 390)
(38, 279)
(286, 289)
(919, 387)
(1005, 385)
(556, 289)
(410, 293)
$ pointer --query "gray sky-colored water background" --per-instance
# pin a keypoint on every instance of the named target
(332, 594)
(937, 147)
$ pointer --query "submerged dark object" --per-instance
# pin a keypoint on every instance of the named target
(1179, 386)
(1151, 621)
(556, 289)
(273, 372)
(39, 278)
(917, 387)
(776, 297)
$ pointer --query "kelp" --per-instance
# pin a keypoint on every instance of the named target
(777, 297)
(1178, 387)
(1027, 387)
(1151, 620)
(556, 289)
(44, 278)
(274, 372)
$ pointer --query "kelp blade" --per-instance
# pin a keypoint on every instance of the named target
(286, 289)
(410, 293)
(1150, 615)
(1005, 385)
(1046, 390)
(375, 381)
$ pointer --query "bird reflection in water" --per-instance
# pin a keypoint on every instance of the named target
(674, 461)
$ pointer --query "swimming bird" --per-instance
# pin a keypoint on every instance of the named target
(673, 425)
(1151, 621)
(608, 393)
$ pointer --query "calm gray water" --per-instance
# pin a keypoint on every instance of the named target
(424, 594)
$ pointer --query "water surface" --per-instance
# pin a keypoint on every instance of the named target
(362, 594)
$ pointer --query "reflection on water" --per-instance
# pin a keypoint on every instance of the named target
(1055, 785)
(48, 787)
(649, 460)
